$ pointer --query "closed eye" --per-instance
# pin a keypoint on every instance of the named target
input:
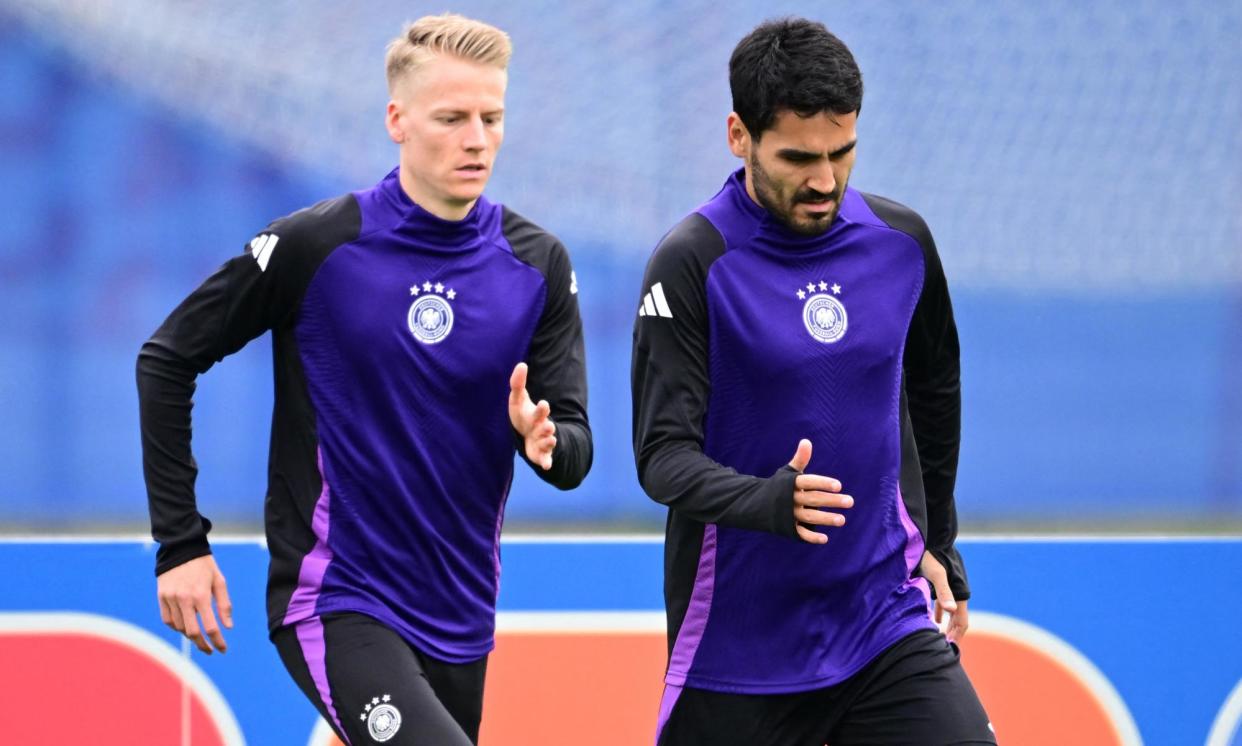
(842, 152)
(797, 156)
(791, 155)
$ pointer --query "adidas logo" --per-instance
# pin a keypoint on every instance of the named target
(654, 303)
(261, 248)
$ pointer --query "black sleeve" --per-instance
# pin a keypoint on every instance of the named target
(251, 293)
(556, 359)
(933, 388)
(670, 388)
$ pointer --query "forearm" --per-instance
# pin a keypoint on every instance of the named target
(165, 390)
(682, 477)
(935, 409)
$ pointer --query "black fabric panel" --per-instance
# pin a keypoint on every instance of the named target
(236, 304)
(670, 385)
(556, 360)
(933, 389)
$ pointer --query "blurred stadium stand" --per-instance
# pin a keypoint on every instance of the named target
(1079, 163)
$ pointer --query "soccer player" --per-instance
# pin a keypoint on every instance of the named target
(791, 312)
(420, 333)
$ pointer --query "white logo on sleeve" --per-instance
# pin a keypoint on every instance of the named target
(383, 720)
(655, 304)
(823, 314)
(261, 248)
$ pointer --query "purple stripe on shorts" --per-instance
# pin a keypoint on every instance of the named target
(315, 563)
(695, 621)
(667, 702)
(914, 550)
(310, 637)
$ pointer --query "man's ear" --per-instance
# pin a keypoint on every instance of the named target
(392, 121)
(740, 141)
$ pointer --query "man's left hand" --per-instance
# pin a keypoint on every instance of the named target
(959, 618)
(532, 421)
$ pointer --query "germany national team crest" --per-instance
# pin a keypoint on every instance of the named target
(823, 314)
(430, 317)
(382, 718)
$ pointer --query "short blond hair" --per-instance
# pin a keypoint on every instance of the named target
(447, 33)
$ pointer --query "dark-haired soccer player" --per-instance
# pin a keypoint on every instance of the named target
(791, 310)
(415, 324)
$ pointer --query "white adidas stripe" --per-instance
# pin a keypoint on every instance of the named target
(256, 246)
(657, 292)
(655, 304)
(262, 247)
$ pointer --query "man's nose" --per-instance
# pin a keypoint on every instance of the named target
(475, 135)
(823, 180)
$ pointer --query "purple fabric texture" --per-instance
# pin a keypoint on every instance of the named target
(806, 341)
(695, 621)
(668, 701)
(310, 636)
(914, 551)
(407, 337)
(314, 564)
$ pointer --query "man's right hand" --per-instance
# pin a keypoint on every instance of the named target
(186, 592)
(811, 492)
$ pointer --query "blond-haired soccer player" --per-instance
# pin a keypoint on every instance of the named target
(420, 332)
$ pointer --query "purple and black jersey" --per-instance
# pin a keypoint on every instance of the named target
(394, 336)
(750, 338)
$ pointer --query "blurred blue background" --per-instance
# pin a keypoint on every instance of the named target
(1079, 163)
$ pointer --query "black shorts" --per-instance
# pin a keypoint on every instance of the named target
(371, 686)
(914, 693)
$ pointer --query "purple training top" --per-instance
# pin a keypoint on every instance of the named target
(394, 336)
(754, 338)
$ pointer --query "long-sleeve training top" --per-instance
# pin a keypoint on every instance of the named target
(749, 338)
(394, 335)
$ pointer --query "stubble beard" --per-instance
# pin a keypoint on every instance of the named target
(767, 194)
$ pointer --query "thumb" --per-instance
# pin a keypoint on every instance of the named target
(517, 381)
(802, 456)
